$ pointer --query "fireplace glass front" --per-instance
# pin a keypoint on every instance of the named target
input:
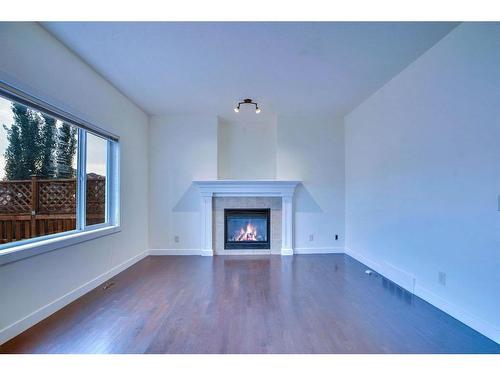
(247, 228)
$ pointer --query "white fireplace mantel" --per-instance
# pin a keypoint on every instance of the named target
(247, 188)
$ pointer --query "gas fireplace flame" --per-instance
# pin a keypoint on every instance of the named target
(249, 233)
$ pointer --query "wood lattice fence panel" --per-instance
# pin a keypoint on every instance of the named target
(96, 195)
(15, 197)
(57, 196)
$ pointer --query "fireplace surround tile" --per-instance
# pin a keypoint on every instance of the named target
(221, 203)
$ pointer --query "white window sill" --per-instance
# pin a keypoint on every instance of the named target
(30, 249)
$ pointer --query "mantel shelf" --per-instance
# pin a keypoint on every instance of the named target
(270, 188)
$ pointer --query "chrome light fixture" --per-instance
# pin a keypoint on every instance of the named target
(247, 101)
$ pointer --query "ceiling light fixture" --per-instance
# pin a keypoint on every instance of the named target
(247, 101)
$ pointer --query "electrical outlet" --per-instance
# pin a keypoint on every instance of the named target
(442, 278)
(176, 239)
(336, 237)
(311, 237)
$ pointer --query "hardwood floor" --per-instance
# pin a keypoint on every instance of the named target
(242, 304)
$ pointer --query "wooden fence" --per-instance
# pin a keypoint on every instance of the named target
(33, 208)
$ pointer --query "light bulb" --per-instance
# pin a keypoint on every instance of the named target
(236, 109)
(257, 110)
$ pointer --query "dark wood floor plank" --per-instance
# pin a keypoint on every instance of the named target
(247, 304)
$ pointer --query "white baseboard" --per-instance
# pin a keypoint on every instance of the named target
(30, 320)
(478, 324)
(207, 253)
(318, 250)
(385, 269)
(155, 252)
(286, 252)
(404, 279)
(299, 250)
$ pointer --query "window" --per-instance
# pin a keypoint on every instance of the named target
(97, 155)
(58, 174)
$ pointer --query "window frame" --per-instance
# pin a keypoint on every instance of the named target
(18, 250)
(108, 217)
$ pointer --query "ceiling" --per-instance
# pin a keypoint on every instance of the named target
(288, 67)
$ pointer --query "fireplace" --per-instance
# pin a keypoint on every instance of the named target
(247, 228)
(213, 192)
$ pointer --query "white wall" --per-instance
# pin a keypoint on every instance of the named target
(311, 149)
(182, 149)
(247, 148)
(36, 62)
(187, 148)
(423, 176)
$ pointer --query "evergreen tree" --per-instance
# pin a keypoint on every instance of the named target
(48, 147)
(66, 147)
(23, 152)
(31, 142)
(13, 154)
(37, 147)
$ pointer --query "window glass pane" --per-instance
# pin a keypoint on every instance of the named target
(37, 173)
(97, 151)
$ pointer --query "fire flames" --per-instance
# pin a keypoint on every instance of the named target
(246, 234)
